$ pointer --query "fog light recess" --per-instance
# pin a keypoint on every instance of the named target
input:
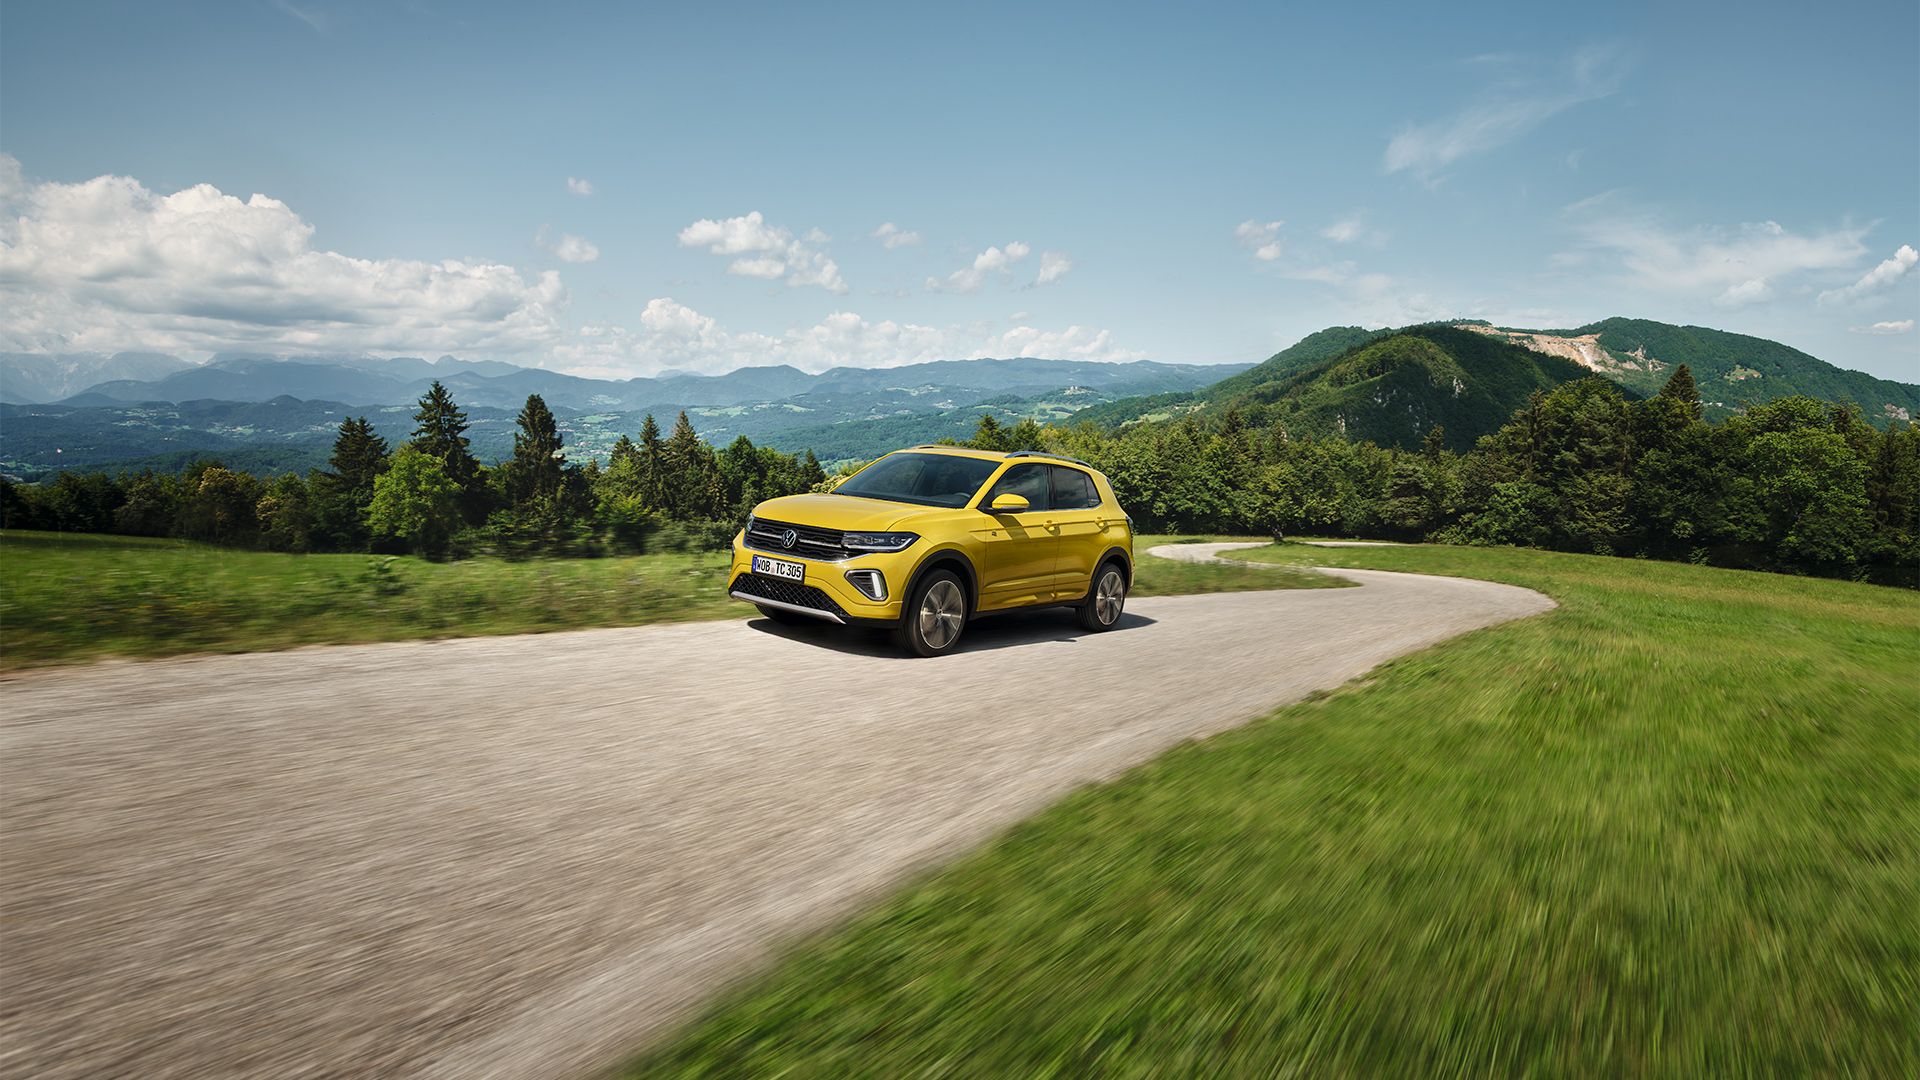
(871, 583)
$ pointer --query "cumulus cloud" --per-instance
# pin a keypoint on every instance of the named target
(767, 251)
(672, 335)
(577, 186)
(1727, 265)
(106, 264)
(1892, 326)
(1262, 237)
(1054, 265)
(1505, 114)
(893, 236)
(568, 248)
(1889, 271)
(994, 260)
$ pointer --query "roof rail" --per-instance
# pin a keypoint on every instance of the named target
(1046, 454)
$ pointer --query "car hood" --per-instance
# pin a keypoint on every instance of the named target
(842, 512)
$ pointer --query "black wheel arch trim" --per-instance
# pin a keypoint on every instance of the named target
(969, 576)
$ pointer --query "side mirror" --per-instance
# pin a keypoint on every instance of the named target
(1008, 503)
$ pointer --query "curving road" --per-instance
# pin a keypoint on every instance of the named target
(524, 856)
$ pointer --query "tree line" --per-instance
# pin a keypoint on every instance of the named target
(431, 496)
(1796, 485)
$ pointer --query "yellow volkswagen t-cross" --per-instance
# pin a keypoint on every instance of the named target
(923, 540)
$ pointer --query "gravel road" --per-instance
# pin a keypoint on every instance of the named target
(525, 856)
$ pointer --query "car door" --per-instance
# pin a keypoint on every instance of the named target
(1018, 550)
(1081, 525)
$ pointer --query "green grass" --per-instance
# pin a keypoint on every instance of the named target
(1672, 827)
(1167, 577)
(67, 597)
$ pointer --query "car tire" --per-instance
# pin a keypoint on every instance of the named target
(789, 618)
(1106, 599)
(934, 615)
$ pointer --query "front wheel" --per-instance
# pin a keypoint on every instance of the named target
(934, 615)
(1106, 599)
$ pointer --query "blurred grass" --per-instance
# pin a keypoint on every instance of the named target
(67, 597)
(1671, 828)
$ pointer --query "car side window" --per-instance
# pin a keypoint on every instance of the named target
(1073, 489)
(1027, 480)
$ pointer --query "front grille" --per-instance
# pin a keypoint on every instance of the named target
(787, 592)
(809, 542)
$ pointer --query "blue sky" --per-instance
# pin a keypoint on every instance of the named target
(617, 189)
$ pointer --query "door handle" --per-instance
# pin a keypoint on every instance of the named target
(1052, 527)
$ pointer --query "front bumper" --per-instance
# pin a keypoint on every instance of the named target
(829, 578)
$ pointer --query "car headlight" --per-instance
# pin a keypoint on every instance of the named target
(887, 541)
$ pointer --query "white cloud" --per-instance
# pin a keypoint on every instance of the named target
(1727, 265)
(994, 260)
(1344, 231)
(1896, 326)
(311, 18)
(1505, 115)
(569, 248)
(107, 264)
(577, 186)
(766, 251)
(1353, 229)
(1263, 237)
(1889, 271)
(1054, 265)
(893, 236)
(672, 335)
(1750, 291)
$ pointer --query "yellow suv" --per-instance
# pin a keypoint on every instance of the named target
(923, 540)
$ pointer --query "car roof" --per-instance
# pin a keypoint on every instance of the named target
(993, 455)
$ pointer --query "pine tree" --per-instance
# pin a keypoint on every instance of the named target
(1024, 435)
(1434, 443)
(440, 430)
(989, 435)
(691, 477)
(624, 453)
(538, 464)
(653, 465)
(359, 457)
(1680, 387)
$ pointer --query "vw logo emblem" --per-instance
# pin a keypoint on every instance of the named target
(789, 538)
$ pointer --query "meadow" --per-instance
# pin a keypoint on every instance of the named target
(1672, 827)
(67, 597)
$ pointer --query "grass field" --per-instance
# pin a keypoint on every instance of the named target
(1671, 828)
(66, 597)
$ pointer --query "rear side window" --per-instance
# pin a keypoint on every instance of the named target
(1027, 480)
(1073, 489)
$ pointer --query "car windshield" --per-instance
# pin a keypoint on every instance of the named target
(924, 479)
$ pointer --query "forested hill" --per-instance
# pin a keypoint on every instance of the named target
(1733, 371)
(1387, 387)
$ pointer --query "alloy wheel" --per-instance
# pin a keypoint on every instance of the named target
(1109, 598)
(942, 611)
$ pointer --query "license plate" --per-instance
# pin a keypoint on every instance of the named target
(779, 568)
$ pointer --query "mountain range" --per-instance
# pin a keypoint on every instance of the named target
(1387, 386)
(286, 409)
